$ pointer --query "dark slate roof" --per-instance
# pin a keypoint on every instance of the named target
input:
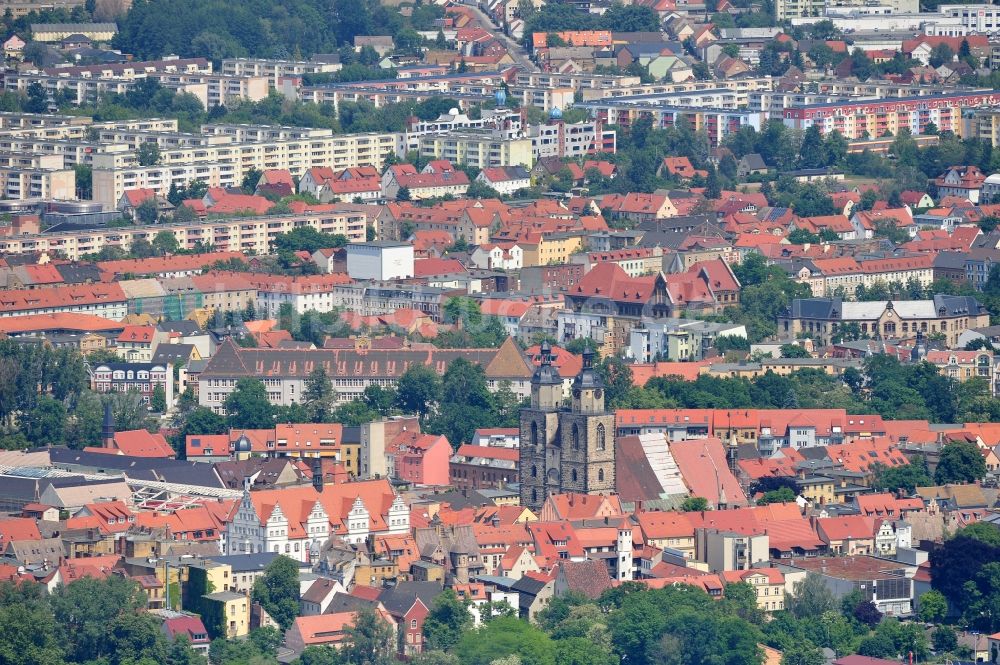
(950, 260)
(78, 273)
(954, 305)
(753, 161)
(140, 468)
(345, 602)
(242, 563)
(815, 308)
(185, 328)
(399, 599)
(171, 353)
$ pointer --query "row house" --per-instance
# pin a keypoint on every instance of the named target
(104, 300)
(437, 179)
(298, 521)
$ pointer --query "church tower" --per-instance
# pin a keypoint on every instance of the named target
(539, 438)
(587, 430)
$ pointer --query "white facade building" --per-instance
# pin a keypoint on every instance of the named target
(382, 261)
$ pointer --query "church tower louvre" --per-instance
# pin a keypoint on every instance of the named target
(566, 450)
(588, 436)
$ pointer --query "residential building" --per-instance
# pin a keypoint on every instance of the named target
(438, 178)
(143, 378)
(860, 119)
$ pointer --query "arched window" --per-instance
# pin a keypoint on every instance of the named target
(534, 433)
(576, 436)
(600, 475)
(574, 475)
(601, 436)
(534, 496)
(534, 471)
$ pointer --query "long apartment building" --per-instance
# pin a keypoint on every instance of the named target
(227, 152)
(247, 235)
(866, 118)
(733, 92)
(275, 70)
(716, 123)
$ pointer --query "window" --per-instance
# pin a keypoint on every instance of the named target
(534, 434)
(600, 475)
(574, 475)
(601, 437)
(413, 623)
(576, 437)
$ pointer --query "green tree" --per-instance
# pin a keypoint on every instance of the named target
(783, 495)
(933, 606)
(944, 639)
(369, 641)
(449, 617)
(802, 654)
(38, 99)
(148, 153)
(380, 400)
(158, 400)
(84, 181)
(811, 598)
(812, 153)
(28, 631)
(504, 637)
(248, 407)
(146, 213)
(694, 504)
(85, 612)
(45, 424)
(318, 395)
(466, 403)
(906, 477)
(418, 390)
(277, 590)
(165, 242)
(960, 462)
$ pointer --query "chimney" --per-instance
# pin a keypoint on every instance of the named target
(108, 428)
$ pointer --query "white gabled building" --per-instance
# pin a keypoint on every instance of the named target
(298, 521)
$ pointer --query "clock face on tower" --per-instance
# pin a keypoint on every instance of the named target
(598, 393)
(576, 393)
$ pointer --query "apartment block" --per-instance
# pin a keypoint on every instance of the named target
(861, 119)
(477, 150)
(248, 235)
(275, 70)
(716, 123)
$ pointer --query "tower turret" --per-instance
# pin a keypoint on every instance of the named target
(588, 387)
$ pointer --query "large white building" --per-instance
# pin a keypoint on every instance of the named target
(297, 522)
(381, 261)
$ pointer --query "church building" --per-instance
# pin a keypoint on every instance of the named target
(566, 449)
